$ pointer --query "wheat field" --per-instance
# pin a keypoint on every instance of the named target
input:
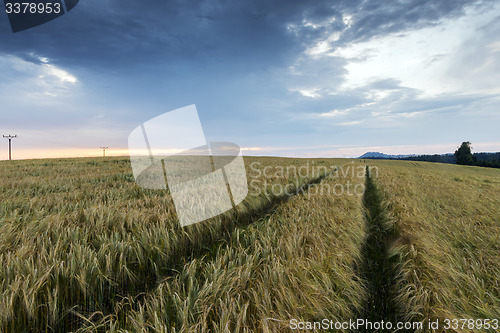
(84, 249)
(449, 219)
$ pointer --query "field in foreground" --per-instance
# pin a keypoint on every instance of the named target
(85, 249)
(449, 220)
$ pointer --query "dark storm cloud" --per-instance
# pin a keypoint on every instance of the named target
(382, 17)
(110, 34)
(123, 31)
(368, 18)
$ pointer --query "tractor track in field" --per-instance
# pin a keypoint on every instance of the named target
(379, 266)
(191, 251)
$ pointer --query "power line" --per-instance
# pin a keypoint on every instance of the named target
(104, 151)
(10, 137)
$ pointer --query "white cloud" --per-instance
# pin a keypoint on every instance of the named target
(324, 46)
(63, 76)
(305, 23)
(347, 21)
(428, 59)
(494, 47)
(29, 81)
(350, 123)
(312, 93)
(400, 82)
(342, 112)
(333, 113)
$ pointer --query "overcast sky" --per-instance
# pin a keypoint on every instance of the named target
(290, 78)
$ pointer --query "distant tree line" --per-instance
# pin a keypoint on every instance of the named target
(463, 155)
(491, 160)
(448, 158)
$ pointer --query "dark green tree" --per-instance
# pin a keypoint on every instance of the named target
(464, 154)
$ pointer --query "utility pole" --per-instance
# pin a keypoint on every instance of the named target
(10, 137)
(104, 151)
